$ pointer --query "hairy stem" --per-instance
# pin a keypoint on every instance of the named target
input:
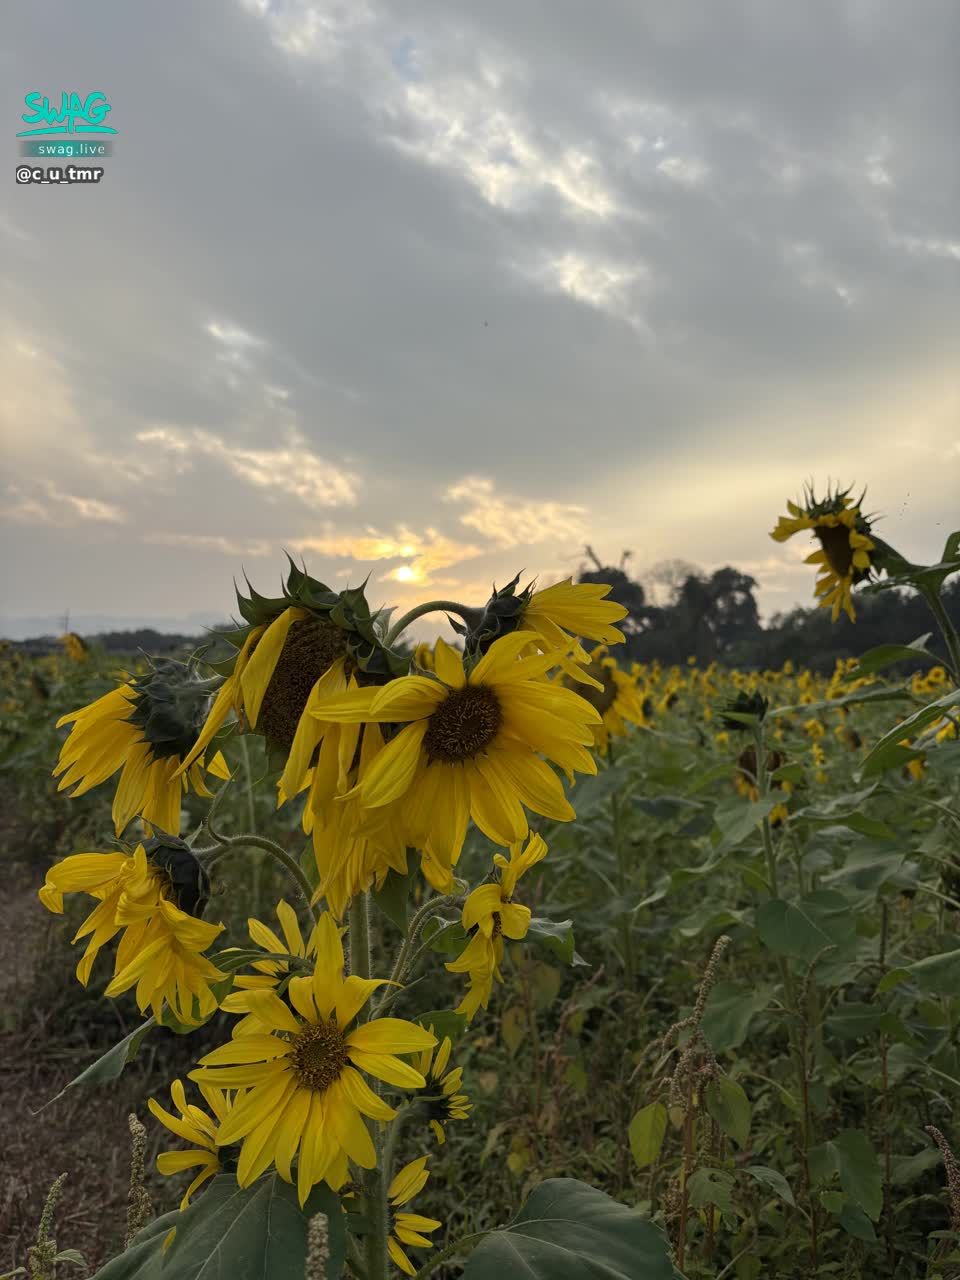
(469, 616)
(226, 844)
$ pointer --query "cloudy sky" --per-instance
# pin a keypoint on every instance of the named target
(440, 290)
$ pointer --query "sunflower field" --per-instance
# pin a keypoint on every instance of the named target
(492, 956)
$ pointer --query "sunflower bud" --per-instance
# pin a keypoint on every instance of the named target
(744, 704)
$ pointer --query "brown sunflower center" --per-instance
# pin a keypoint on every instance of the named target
(463, 724)
(311, 647)
(835, 542)
(319, 1055)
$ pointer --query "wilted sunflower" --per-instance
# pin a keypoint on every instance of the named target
(556, 617)
(160, 951)
(194, 1125)
(146, 727)
(491, 911)
(408, 1228)
(304, 1092)
(443, 1100)
(845, 556)
(617, 698)
(293, 652)
(472, 747)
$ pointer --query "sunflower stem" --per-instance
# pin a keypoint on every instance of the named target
(226, 844)
(373, 1180)
(406, 954)
(947, 630)
(448, 1251)
(470, 616)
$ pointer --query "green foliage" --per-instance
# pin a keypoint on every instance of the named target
(569, 1231)
(257, 1233)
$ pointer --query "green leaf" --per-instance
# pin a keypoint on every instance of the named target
(885, 754)
(595, 790)
(859, 1170)
(570, 1231)
(729, 1106)
(728, 1014)
(110, 1065)
(646, 1133)
(256, 1233)
(804, 928)
(885, 655)
(854, 1021)
(906, 1169)
(73, 1256)
(939, 974)
(393, 897)
(773, 1179)
(712, 1186)
(445, 936)
(557, 937)
(882, 694)
(444, 1023)
(856, 1223)
(513, 1028)
(738, 825)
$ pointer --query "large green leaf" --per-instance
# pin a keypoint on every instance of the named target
(253, 1233)
(885, 754)
(570, 1231)
(646, 1133)
(885, 655)
(729, 1011)
(805, 928)
(859, 1170)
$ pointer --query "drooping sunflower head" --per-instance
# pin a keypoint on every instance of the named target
(286, 644)
(167, 705)
(847, 553)
(147, 727)
(556, 616)
(744, 704)
(184, 882)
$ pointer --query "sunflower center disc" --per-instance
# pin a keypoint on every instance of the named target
(463, 724)
(319, 1055)
(312, 646)
(836, 546)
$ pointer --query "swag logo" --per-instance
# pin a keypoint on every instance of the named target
(68, 128)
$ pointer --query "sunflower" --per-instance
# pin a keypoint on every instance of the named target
(161, 945)
(492, 912)
(556, 618)
(443, 1100)
(472, 747)
(617, 698)
(146, 727)
(268, 974)
(845, 555)
(196, 1126)
(294, 651)
(408, 1228)
(74, 646)
(304, 1092)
